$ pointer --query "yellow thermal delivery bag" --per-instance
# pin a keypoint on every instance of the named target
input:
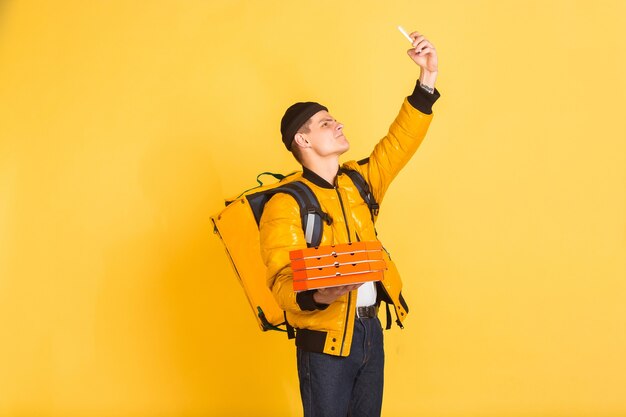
(238, 227)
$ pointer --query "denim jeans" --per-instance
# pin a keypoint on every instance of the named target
(332, 386)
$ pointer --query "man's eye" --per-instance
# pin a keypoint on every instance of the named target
(324, 124)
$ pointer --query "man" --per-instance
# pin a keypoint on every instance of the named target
(338, 334)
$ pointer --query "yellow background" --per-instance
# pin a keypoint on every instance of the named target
(124, 125)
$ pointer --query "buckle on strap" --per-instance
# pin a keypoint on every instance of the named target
(368, 312)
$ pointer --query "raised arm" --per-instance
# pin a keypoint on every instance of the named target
(409, 128)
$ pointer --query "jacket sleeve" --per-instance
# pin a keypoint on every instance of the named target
(393, 151)
(280, 233)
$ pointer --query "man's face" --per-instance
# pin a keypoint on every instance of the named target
(326, 135)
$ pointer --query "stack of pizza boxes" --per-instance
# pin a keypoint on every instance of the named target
(335, 265)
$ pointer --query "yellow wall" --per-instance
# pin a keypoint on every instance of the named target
(123, 125)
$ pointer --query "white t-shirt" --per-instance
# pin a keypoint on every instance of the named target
(366, 295)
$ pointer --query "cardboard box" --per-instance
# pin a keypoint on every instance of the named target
(313, 284)
(335, 265)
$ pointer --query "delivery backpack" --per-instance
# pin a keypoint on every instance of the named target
(238, 227)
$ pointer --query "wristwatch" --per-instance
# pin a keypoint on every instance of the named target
(427, 88)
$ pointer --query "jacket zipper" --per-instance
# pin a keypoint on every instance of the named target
(343, 211)
(348, 309)
(345, 332)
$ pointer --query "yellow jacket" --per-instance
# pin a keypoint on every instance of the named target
(322, 328)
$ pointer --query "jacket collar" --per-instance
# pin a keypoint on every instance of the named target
(316, 179)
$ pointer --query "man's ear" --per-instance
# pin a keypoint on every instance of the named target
(301, 141)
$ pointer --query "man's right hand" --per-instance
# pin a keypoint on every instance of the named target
(329, 295)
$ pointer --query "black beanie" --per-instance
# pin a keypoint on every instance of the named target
(295, 117)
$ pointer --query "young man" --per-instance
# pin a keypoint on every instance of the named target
(338, 334)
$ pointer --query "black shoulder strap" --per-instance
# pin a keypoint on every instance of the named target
(311, 213)
(388, 324)
(364, 190)
(313, 217)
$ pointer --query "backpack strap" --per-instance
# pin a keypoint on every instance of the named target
(388, 324)
(291, 331)
(364, 190)
(313, 217)
(311, 213)
(369, 199)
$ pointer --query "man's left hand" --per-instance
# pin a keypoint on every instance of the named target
(423, 53)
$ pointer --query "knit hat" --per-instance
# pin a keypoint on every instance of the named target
(295, 117)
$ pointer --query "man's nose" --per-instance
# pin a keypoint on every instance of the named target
(339, 126)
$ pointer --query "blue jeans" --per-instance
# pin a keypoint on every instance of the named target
(332, 386)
